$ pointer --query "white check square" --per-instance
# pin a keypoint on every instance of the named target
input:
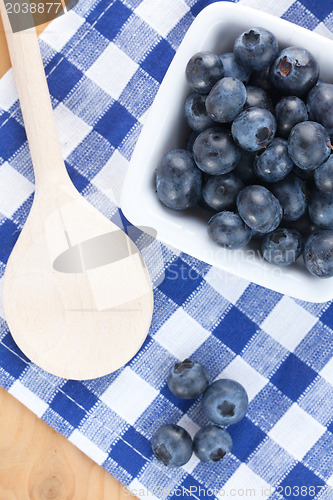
(72, 130)
(28, 398)
(61, 30)
(137, 489)
(162, 15)
(110, 178)
(181, 335)
(270, 6)
(129, 395)
(288, 323)
(329, 481)
(8, 92)
(321, 29)
(2, 313)
(297, 432)
(229, 286)
(14, 189)
(192, 428)
(242, 372)
(244, 483)
(187, 423)
(327, 372)
(112, 70)
(88, 447)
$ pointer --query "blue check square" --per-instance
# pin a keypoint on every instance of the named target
(115, 124)
(140, 442)
(301, 476)
(194, 489)
(11, 362)
(9, 342)
(200, 5)
(109, 21)
(158, 60)
(180, 281)
(327, 316)
(76, 390)
(12, 136)
(63, 76)
(9, 233)
(235, 330)
(319, 9)
(246, 437)
(68, 409)
(293, 377)
(127, 457)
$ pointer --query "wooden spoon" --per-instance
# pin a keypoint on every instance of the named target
(77, 296)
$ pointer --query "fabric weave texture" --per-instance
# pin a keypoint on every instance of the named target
(104, 62)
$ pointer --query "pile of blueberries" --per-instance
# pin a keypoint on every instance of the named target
(224, 402)
(259, 156)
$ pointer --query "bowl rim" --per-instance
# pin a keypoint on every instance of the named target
(301, 285)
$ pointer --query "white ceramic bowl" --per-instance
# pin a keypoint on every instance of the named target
(214, 29)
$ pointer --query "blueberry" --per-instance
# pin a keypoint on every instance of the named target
(323, 176)
(195, 112)
(308, 145)
(172, 445)
(228, 230)
(257, 98)
(292, 195)
(203, 70)
(305, 175)
(225, 402)
(178, 180)
(226, 100)
(215, 152)
(261, 79)
(234, 68)
(303, 225)
(259, 209)
(295, 71)
(318, 254)
(289, 111)
(191, 139)
(282, 246)
(254, 129)
(220, 191)
(320, 105)
(274, 163)
(188, 379)
(321, 209)
(256, 48)
(211, 443)
(256, 236)
(245, 167)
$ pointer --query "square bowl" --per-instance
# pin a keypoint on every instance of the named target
(214, 29)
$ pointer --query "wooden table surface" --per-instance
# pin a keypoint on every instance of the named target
(36, 462)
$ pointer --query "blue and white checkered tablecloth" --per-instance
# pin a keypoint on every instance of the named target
(104, 62)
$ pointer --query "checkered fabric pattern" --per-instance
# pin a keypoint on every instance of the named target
(104, 62)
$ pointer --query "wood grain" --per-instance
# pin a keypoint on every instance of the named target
(24, 439)
(37, 463)
(5, 63)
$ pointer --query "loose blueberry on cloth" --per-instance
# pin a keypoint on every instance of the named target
(104, 61)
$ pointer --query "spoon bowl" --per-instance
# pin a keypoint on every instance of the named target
(77, 295)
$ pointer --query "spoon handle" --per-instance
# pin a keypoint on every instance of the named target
(35, 103)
